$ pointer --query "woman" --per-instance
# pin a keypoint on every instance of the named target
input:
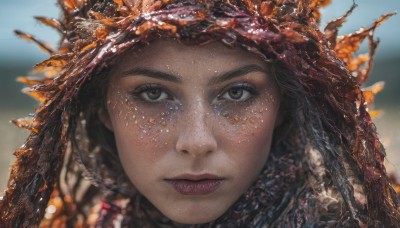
(208, 113)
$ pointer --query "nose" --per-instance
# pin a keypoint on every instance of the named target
(196, 136)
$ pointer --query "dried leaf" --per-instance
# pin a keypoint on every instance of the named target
(35, 94)
(54, 23)
(332, 28)
(42, 45)
(346, 47)
(70, 4)
(27, 123)
(370, 92)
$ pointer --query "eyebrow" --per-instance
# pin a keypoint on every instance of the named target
(236, 73)
(152, 73)
(174, 78)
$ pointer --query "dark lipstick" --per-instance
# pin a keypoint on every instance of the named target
(189, 184)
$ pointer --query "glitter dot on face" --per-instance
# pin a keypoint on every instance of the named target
(189, 114)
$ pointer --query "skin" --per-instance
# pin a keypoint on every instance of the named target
(191, 121)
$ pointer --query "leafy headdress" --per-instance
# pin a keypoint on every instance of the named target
(334, 116)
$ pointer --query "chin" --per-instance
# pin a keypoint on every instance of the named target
(194, 218)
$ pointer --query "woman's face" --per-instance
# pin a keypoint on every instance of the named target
(193, 125)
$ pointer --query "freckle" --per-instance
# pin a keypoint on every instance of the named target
(225, 114)
(262, 121)
(126, 100)
(168, 67)
(163, 123)
(144, 131)
(135, 121)
(234, 119)
(167, 130)
(151, 120)
(108, 102)
(163, 113)
(142, 117)
(135, 108)
(126, 124)
(134, 116)
(252, 120)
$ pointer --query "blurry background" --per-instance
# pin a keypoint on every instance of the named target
(17, 56)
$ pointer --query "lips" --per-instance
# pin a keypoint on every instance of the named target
(189, 184)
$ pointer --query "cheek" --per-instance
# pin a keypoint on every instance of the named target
(247, 135)
(251, 126)
(250, 139)
(142, 134)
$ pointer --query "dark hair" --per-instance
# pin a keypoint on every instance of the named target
(328, 134)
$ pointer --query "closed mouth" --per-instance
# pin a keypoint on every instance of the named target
(195, 184)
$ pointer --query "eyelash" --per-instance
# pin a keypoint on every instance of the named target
(140, 92)
(239, 86)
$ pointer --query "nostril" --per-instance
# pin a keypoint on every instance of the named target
(195, 148)
(185, 151)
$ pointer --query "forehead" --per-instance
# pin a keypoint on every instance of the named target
(181, 59)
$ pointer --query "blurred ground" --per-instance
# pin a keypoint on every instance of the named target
(11, 138)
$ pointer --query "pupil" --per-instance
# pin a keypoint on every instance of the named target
(154, 94)
(235, 93)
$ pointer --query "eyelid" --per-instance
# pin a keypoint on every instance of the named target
(238, 85)
(145, 87)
